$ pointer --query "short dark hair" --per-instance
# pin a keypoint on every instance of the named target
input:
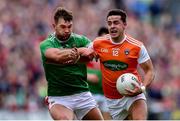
(61, 12)
(103, 30)
(118, 12)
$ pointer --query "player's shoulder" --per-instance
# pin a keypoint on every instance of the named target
(48, 40)
(77, 36)
(133, 41)
(102, 38)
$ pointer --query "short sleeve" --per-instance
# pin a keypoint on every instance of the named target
(143, 56)
(85, 41)
(91, 45)
(44, 46)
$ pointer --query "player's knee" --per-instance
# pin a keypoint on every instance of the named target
(58, 116)
(139, 117)
(63, 117)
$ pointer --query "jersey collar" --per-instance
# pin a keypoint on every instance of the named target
(119, 42)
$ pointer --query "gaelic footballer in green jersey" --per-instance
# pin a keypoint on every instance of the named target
(60, 76)
(68, 94)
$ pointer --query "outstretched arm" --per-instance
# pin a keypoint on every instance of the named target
(62, 56)
(86, 54)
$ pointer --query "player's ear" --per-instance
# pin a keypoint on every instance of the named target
(125, 25)
(54, 25)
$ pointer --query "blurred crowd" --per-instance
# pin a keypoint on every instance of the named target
(25, 23)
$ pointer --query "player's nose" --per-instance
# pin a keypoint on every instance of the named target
(67, 30)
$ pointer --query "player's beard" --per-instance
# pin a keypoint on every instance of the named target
(63, 37)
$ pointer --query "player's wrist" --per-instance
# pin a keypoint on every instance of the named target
(143, 88)
(80, 50)
(78, 58)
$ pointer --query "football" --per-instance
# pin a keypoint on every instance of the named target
(125, 81)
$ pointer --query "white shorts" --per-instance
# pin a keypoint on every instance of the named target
(118, 108)
(101, 101)
(80, 103)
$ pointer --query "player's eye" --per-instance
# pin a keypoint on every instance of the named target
(69, 26)
(109, 23)
(62, 26)
(116, 22)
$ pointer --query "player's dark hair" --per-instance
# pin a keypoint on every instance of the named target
(62, 13)
(103, 30)
(118, 12)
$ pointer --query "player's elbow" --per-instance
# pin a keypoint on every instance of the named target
(152, 75)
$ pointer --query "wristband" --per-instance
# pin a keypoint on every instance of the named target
(143, 89)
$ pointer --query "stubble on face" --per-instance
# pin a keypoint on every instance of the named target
(116, 28)
(63, 29)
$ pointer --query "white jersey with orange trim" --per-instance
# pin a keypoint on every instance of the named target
(117, 59)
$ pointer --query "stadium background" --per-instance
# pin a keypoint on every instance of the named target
(24, 23)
